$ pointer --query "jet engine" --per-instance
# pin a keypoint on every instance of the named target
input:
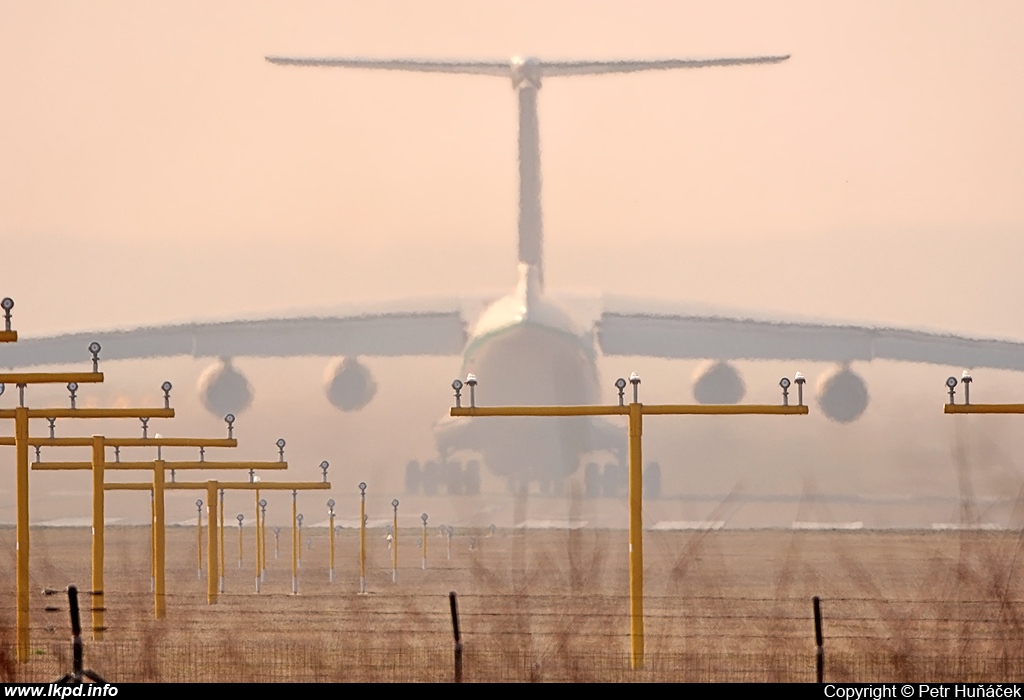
(718, 382)
(223, 389)
(348, 384)
(842, 395)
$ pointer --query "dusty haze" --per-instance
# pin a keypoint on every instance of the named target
(154, 168)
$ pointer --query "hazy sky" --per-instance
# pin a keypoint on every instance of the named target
(153, 167)
(152, 144)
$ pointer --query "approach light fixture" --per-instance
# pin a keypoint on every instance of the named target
(951, 385)
(620, 384)
(95, 348)
(800, 381)
(966, 380)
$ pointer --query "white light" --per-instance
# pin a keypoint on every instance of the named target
(966, 375)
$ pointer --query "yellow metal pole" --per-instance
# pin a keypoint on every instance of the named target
(220, 521)
(21, 442)
(212, 518)
(362, 537)
(636, 538)
(295, 542)
(98, 467)
(98, 459)
(216, 536)
(152, 541)
(97, 464)
(424, 518)
(983, 408)
(263, 537)
(635, 411)
(259, 560)
(649, 409)
(159, 590)
(394, 544)
(330, 517)
(21, 447)
(199, 538)
(50, 377)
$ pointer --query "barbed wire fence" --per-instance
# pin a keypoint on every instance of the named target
(517, 637)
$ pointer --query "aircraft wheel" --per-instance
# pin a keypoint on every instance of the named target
(614, 480)
(430, 478)
(452, 475)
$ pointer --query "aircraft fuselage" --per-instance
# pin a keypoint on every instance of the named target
(526, 350)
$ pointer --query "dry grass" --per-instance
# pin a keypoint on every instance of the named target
(548, 606)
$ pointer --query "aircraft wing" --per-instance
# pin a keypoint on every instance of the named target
(700, 336)
(378, 334)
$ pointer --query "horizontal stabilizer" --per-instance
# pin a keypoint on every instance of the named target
(499, 68)
(555, 68)
(505, 68)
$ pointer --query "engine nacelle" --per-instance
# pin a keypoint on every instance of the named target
(842, 395)
(718, 382)
(348, 384)
(223, 389)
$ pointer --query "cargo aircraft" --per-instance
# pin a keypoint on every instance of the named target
(526, 348)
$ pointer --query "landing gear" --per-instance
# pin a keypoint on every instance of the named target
(451, 476)
(615, 481)
(430, 478)
(548, 486)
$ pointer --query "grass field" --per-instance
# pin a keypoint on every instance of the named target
(541, 605)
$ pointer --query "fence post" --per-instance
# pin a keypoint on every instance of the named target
(77, 672)
(76, 633)
(458, 636)
(818, 640)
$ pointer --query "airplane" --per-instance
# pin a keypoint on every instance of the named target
(526, 348)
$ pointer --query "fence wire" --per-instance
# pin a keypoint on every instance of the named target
(298, 662)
